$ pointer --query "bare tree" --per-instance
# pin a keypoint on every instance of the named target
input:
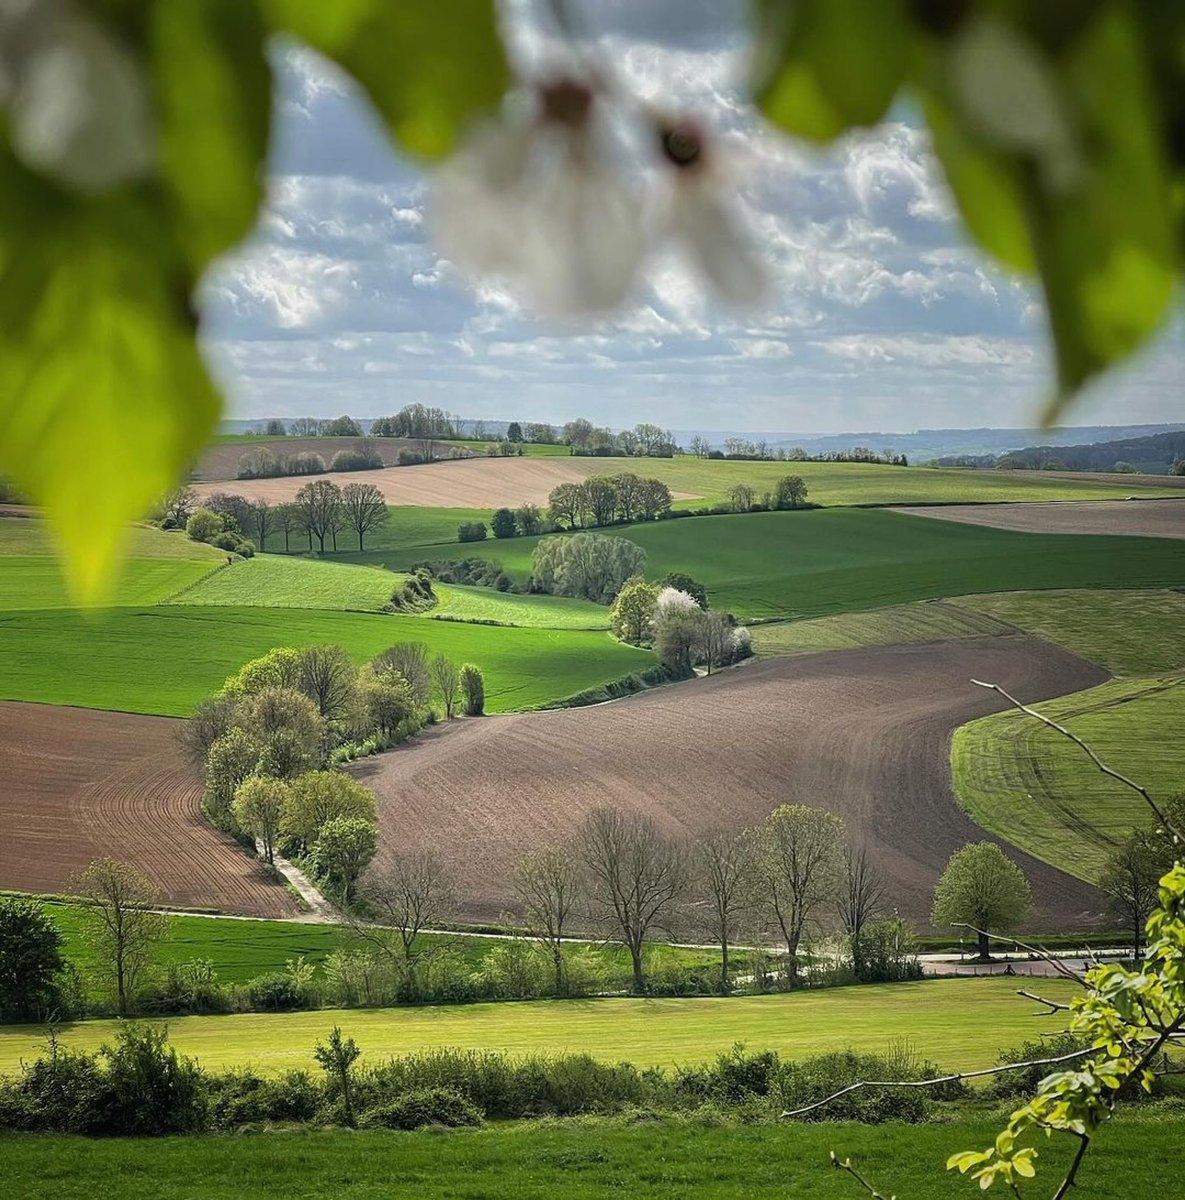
(547, 882)
(410, 661)
(178, 504)
(723, 866)
(262, 521)
(327, 676)
(364, 508)
(860, 899)
(1131, 880)
(713, 639)
(800, 865)
(287, 520)
(125, 927)
(318, 505)
(447, 677)
(740, 497)
(635, 876)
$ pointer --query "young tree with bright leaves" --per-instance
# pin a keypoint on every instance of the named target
(316, 798)
(592, 566)
(473, 690)
(123, 927)
(409, 660)
(632, 617)
(1131, 881)
(336, 1056)
(502, 523)
(800, 864)
(203, 525)
(547, 883)
(984, 889)
(231, 759)
(447, 680)
(258, 807)
(326, 674)
(319, 508)
(31, 960)
(342, 851)
(724, 872)
(861, 896)
(789, 492)
(566, 505)
(634, 876)
(364, 508)
(387, 698)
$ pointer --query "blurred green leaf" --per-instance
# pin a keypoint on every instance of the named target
(103, 395)
(429, 67)
(213, 87)
(830, 64)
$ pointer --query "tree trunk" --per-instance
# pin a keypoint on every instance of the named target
(359, 539)
(985, 949)
(639, 977)
(1137, 930)
(557, 952)
(321, 540)
(120, 982)
(286, 546)
(724, 965)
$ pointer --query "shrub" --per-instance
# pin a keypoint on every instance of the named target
(304, 463)
(471, 531)
(30, 960)
(242, 1097)
(203, 525)
(410, 458)
(425, 1106)
(147, 1089)
(502, 524)
(283, 991)
(260, 463)
(473, 688)
(224, 541)
(360, 458)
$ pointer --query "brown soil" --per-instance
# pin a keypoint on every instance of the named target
(865, 733)
(220, 463)
(1134, 518)
(466, 483)
(81, 784)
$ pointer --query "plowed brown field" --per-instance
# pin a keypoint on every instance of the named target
(220, 462)
(466, 483)
(1133, 518)
(865, 733)
(80, 784)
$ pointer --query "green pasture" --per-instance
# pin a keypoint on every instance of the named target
(1127, 632)
(507, 608)
(166, 658)
(418, 531)
(1029, 785)
(954, 1021)
(530, 449)
(580, 1159)
(277, 581)
(928, 621)
(820, 562)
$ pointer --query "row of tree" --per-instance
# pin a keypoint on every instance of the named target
(760, 450)
(608, 500)
(643, 441)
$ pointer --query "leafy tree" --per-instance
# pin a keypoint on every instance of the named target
(740, 497)
(984, 889)
(342, 427)
(632, 616)
(231, 759)
(540, 433)
(318, 797)
(275, 428)
(789, 492)
(713, 645)
(327, 676)
(1131, 881)
(471, 531)
(408, 660)
(677, 620)
(278, 668)
(343, 850)
(502, 524)
(629, 495)
(258, 804)
(447, 680)
(566, 504)
(654, 498)
(473, 689)
(547, 883)
(528, 520)
(800, 861)
(123, 926)
(319, 508)
(684, 583)
(31, 960)
(203, 525)
(388, 699)
(601, 497)
(364, 508)
(514, 432)
(589, 565)
(212, 718)
(273, 710)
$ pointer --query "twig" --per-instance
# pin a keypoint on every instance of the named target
(1071, 1175)
(1056, 963)
(846, 1164)
(1055, 1006)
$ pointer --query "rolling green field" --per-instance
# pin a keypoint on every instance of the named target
(959, 1022)
(581, 1159)
(1027, 784)
(814, 563)
(530, 449)
(1127, 632)
(506, 608)
(929, 621)
(276, 581)
(165, 659)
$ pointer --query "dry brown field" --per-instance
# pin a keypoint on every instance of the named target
(220, 462)
(1133, 518)
(864, 733)
(79, 784)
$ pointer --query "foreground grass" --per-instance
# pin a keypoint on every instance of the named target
(958, 1022)
(579, 1159)
(1027, 784)
(276, 581)
(1127, 632)
(165, 659)
(507, 608)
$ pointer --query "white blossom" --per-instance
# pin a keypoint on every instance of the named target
(671, 600)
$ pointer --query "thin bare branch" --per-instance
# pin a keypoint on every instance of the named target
(1071, 1175)
(1056, 963)
(1055, 1006)
(846, 1164)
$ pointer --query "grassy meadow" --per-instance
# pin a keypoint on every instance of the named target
(958, 1022)
(506, 608)
(580, 1159)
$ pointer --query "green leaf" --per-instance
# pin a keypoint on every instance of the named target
(429, 67)
(213, 88)
(103, 395)
(830, 64)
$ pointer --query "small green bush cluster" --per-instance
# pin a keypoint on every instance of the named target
(416, 594)
(469, 572)
(220, 530)
(263, 463)
(471, 531)
(362, 457)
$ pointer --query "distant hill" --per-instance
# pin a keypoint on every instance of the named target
(1152, 454)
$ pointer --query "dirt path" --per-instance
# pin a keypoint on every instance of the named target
(865, 733)
(1134, 518)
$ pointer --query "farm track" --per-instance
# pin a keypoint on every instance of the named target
(1142, 518)
(82, 784)
(865, 733)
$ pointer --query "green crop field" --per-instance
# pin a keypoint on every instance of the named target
(165, 659)
(530, 449)
(813, 563)
(588, 1159)
(277, 581)
(1127, 632)
(929, 621)
(1027, 784)
(961, 1022)
(506, 608)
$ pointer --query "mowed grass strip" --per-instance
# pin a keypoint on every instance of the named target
(1127, 632)
(275, 581)
(167, 658)
(956, 1021)
(1029, 785)
(579, 1160)
(931, 621)
(507, 608)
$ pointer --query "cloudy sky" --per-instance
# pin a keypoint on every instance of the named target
(879, 315)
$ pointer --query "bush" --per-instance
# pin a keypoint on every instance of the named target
(410, 458)
(471, 531)
(426, 1106)
(502, 524)
(203, 525)
(260, 464)
(282, 991)
(360, 458)
(304, 463)
(224, 541)
(473, 688)
(242, 1097)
